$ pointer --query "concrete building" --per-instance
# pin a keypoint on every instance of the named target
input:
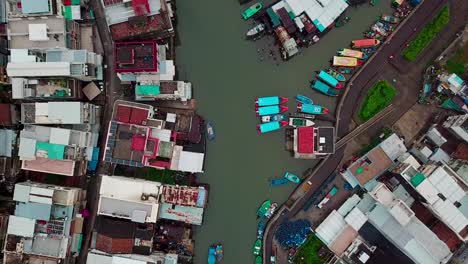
(142, 136)
(138, 19)
(444, 193)
(59, 113)
(79, 64)
(365, 170)
(458, 125)
(45, 88)
(154, 90)
(98, 257)
(9, 165)
(56, 150)
(313, 142)
(131, 199)
(46, 225)
(143, 60)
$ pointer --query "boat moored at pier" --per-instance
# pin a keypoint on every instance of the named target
(323, 88)
(270, 100)
(252, 10)
(271, 110)
(329, 80)
(339, 61)
(270, 126)
(365, 43)
(312, 109)
(271, 118)
(351, 53)
(300, 122)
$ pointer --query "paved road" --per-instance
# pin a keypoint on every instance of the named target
(380, 68)
(112, 92)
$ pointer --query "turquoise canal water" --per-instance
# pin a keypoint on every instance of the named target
(227, 75)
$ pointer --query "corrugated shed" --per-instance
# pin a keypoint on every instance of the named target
(330, 228)
(450, 215)
(428, 191)
(443, 182)
(349, 204)
(21, 226)
(393, 146)
(356, 219)
(114, 245)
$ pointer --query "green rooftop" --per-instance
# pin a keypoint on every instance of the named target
(417, 179)
(148, 90)
(54, 151)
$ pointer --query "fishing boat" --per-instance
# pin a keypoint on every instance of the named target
(255, 31)
(390, 19)
(219, 253)
(300, 122)
(270, 126)
(252, 10)
(259, 260)
(304, 99)
(341, 22)
(346, 61)
(365, 43)
(329, 80)
(351, 53)
(312, 109)
(212, 255)
(323, 88)
(302, 115)
(345, 70)
(271, 118)
(340, 77)
(263, 208)
(260, 229)
(279, 181)
(270, 100)
(257, 247)
(291, 177)
(210, 131)
(271, 210)
(271, 110)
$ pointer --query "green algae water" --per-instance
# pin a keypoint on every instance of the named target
(227, 73)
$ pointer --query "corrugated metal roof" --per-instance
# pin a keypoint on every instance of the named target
(95, 258)
(27, 149)
(34, 6)
(33, 210)
(6, 142)
(42, 69)
(356, 219)
(21, 226)
(444, 182)
(330, 228)
(450, 215)
(21, 193)
(428, 191)
(393, 146)
(65, 112)
(349, 204)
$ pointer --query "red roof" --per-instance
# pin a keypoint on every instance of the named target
(131, 115)
(136, 56)
(5, 115)
(140, 7)
(461, 152)
(124, 30)
(305, 139)
(114, 245)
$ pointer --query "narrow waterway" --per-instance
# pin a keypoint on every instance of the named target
(227, 75)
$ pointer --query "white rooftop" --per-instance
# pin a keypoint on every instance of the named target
(38, 32)
(393, 146)
(331, 228)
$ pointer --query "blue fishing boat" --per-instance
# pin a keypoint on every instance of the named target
(219, 253)
(270, 110)
(279, 181)
(260, 229)
(210, 131)
(323, 88)
(291, 177)
(270, 100)
(270, 126)
(312, 109)
(271, 118)
(212, 255)
(329, 80)
(340, 77)
(304, 99)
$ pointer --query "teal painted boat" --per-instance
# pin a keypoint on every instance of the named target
(270, 126)
(212, 255)
(292, 177)
(259, 260)
(263, 208)
(257, 247)
(270, 110)
(252, 10)
(323, 88)
(329, 79)
(280, 181)
(270, 100)
(312, 109)
(270, 118)
(304, 99)
(340, 77)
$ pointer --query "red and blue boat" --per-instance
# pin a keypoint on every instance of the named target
(270, 100)
(329, 79)
(312, 109)
(270, 110)
(270, 126)
(270, 118)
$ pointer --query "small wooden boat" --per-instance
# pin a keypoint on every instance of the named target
(260, 229)
(271, 110)
(339, 61)
(257, 247)
(252, 10)
(345, 70)
(271, 118)
(304, 99)
(340, 77)
(300, 122)
(302, 115)
(351, 53)
(271, 210)
(270, 126)
(255, 31)
(279, 181)
(270, 100)
(263, 208)
(219, 253)
(210, 131)
(323, 88)
(365, 43)
(329, 80)
(259, 260)
(291, 177)
(212, 255)
(342, 21)
(390, 19)
(312, 109)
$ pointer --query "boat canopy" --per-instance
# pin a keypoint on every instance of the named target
(328, 79)
(352, 53)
